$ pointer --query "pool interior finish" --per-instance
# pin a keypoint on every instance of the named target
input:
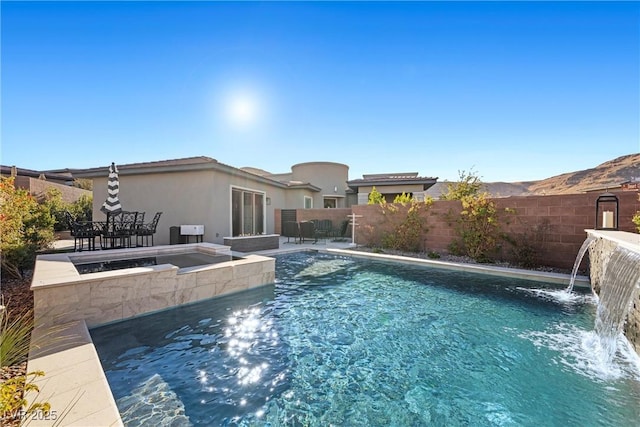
(341, 341)
(181, 260)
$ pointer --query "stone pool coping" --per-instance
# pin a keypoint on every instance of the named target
(517, 273)
(76, 384)
(627, 240)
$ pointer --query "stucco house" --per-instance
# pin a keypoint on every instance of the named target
(228, 201)
(390, 185)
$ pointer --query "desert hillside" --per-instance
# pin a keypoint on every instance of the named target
(609, 174)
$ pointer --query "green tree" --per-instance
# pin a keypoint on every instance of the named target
(468, 184)
(375, 197)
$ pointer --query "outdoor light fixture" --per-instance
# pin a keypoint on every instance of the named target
(335, 189)
(268, 201)
(607, 212)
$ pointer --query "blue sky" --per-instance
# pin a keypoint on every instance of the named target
(517, 91)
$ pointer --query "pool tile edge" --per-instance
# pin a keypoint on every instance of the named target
(80, 400)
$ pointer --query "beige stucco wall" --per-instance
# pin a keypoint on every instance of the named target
(326, 175)
(187, 197)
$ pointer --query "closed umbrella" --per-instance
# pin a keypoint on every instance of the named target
(112, 205)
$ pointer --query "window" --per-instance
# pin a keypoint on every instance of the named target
(247, 212)
(330, 203)
(308, 202)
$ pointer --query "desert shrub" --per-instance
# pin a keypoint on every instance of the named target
(403, 198)
(478, 227)
(468, 184)
(13, 405)
(82, 209)
(408, 234)
(526, 247)
(636, 218)
(15, 333)
(25, 226)
(52, 201)
(375, 197)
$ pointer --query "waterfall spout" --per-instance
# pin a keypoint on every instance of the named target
(576, 264)
(621, 284)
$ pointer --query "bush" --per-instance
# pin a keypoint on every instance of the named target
(375, 197)
(52, 201)
(636, 218)
(25, 226)
(407, 236)
(82, 209)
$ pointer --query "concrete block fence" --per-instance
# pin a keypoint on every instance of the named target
(554, 225)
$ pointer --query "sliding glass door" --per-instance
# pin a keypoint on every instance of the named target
(247, 212)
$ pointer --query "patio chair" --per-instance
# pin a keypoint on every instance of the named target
(118, 230)
(324, 228)
(146, 230)
(291, 229)
(307, 231)
(81, 231)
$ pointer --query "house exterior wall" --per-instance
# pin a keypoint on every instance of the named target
(186, 197)
(294, 199)
(326, 175)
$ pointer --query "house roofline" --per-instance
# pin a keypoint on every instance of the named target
(188, 164)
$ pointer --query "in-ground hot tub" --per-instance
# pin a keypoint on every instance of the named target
(152, 279)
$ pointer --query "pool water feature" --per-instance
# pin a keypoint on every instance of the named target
(351, 342)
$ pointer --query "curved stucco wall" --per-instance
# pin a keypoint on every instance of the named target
(329, 176)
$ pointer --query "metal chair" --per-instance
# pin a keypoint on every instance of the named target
(81, 231)
(147, 230)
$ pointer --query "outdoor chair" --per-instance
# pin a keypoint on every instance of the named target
(146, 230)
(117, 231)
(324, 228)
(307, 231)
(344, 229)
(81, 231)
(291, 229)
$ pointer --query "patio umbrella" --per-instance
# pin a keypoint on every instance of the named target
(112, 205)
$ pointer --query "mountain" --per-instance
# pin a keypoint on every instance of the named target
(609, 174)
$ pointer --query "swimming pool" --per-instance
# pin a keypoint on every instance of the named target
(352, 342)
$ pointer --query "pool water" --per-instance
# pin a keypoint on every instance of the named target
(181, 260)
(341, 341)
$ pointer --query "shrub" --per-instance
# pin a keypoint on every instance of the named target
(82, 209)
(408, 234)
(375, 197)
(469, 184)
(636, 218)
(25, 226)
(478, 227)
(52, 201)
(13, 405)
(15, 333)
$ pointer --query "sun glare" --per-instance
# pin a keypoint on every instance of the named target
(242, 109)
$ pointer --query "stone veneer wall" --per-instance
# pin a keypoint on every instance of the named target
(600, 252)
(106, 297)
